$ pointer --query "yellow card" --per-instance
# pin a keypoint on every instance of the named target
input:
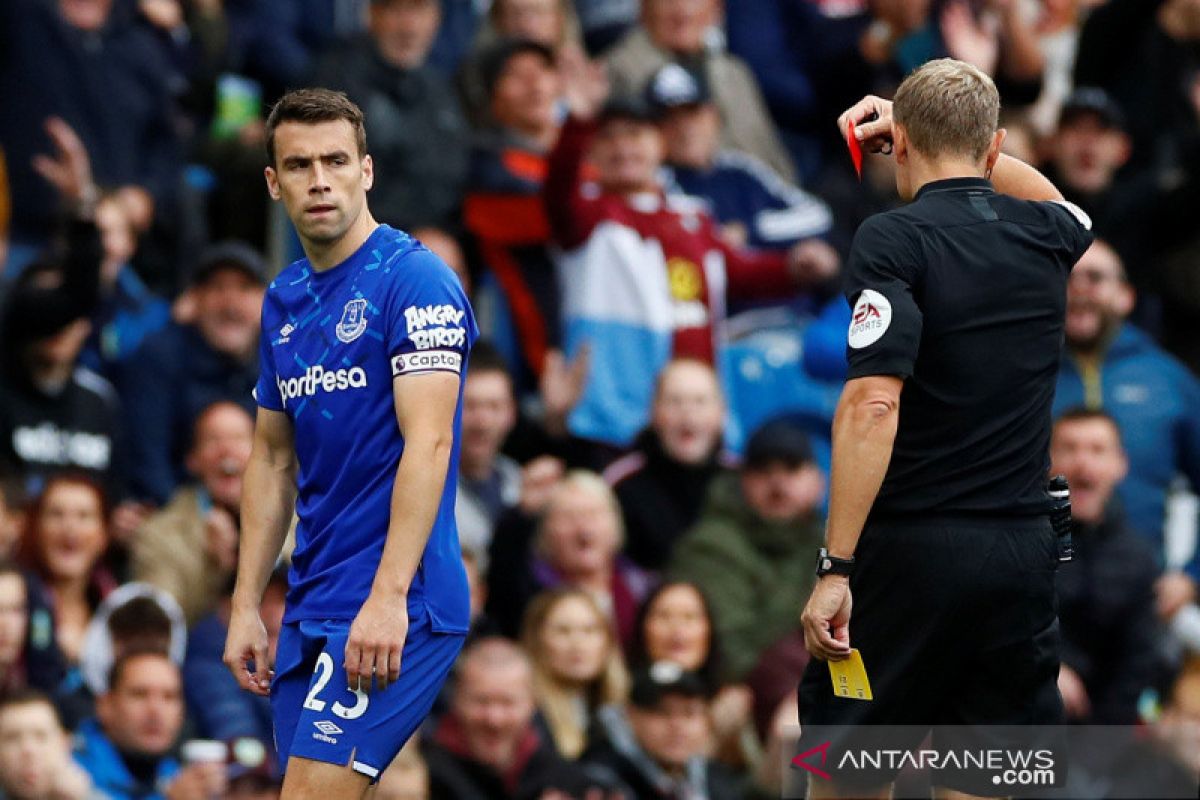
(850, 678)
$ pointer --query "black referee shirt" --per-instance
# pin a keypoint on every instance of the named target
(963, 294)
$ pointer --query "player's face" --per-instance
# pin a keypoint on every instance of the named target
(222, 448)
(32, 750)
(1097, 297)
(688, 413)
(677, 629)
(72, 529)
(495, 704)
(692, 135)
(627, 154)
(1088, 452)
(14, 618)
(780, 492)
(321, 178)
(674, 732)
(525, 94)
(1088, 153)
(581, 534)
(539, 20)
(489, 413)
(574, 642)
(144, 713)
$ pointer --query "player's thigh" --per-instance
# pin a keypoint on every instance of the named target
(316, 780)
(365, 730)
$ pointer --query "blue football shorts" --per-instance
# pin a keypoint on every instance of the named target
(316, 716)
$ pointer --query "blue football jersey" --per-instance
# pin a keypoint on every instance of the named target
(332, 343)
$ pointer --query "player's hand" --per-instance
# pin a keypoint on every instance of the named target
(585, 83)
(248, 641)
(872, 117)
(1173, 591)
(826, 619)
(376, 641)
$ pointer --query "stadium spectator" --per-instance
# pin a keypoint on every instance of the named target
(126, 749)
(65, 538)
(676, 624)
(1112, 365)
(418, 136)
(604, 22)
(35, 752)
(610, 233)
(1141, 54)
(282, 40)
(753, 204)
(29, 655)
(658, 743)
(97, 68)
(575, 542)
(489, 482)
(488, 745)
(661, 484)
(752, 548)
(548, 23)
(673, 30)
(503, 209)
(133, 617)
(576, 661)
(216, 705)
(189, 548)
(406, 778)
(10, 509)
(174, 376)
(1106, 593)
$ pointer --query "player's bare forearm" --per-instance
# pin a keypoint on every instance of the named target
(1014, 177)
(864, 432)
(268, 502)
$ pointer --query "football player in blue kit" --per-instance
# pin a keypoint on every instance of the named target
(363, 347)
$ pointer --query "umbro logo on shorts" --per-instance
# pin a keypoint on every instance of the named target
(327, 731)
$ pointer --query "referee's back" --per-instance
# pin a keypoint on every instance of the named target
(963, 294)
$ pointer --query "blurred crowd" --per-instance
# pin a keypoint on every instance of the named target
(649, 205)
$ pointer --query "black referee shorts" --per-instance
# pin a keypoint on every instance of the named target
(956, 620)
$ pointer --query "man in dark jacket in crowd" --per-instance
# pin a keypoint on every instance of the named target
(658, 745)
(488, 745)
(95, 65)
(173, 377)
(662, 483)
(1106, 594)
(417, 132)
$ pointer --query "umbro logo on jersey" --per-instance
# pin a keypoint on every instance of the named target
(285, 333)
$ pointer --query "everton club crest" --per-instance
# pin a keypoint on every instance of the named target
(353, 322)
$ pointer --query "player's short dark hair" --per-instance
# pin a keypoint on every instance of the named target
(29, 697)
(311, 106)
(1085, 414)
(139, 619)
(122, 661)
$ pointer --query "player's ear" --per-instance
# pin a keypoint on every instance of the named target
(993, 152)
(899, 144)
(272, 182)
(368, 172)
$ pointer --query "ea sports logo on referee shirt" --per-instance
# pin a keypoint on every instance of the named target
(318, 379)
(871, 318)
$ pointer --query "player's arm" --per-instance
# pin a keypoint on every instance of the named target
(268, 501)
(425, 407)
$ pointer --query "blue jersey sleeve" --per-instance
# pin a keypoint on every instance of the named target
(430, 326)
(266, 391)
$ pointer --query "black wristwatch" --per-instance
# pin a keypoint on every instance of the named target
(832, 565)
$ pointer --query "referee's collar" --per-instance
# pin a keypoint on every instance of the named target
(954, 184)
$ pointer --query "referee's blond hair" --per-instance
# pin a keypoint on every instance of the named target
(948, 107)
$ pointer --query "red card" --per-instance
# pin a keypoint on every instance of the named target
(855, 148)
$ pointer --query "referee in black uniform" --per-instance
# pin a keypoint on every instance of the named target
(938, 523)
